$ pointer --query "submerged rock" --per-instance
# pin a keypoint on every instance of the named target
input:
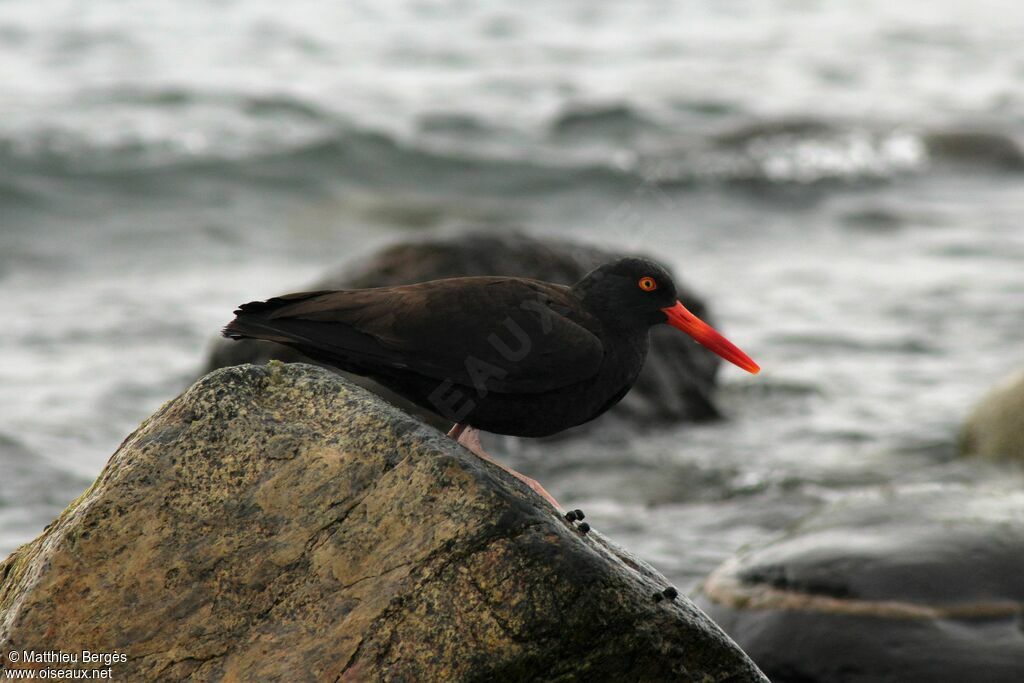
(276, 523)
(995, 428)
(913, 585)
(677, 381)
(985, 148)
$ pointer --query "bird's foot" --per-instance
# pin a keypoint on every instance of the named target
(456, 431)
(470, 438)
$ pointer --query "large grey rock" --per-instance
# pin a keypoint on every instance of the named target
(277, 523)
(676, 384)
(995, 428)
(905, 586)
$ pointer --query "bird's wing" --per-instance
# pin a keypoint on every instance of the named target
(507, 335)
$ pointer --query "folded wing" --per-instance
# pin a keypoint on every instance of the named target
(515, 335)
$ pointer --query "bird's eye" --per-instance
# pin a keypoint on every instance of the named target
(648, 284)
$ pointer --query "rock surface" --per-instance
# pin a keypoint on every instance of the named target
(995, 428)
(915, 585)
(276, 523)
(676, 384)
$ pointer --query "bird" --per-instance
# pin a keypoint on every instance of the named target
(506, 355)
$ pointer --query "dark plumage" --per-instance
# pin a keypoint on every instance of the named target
(505, 355)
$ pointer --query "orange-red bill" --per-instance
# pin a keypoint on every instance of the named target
(708, 337)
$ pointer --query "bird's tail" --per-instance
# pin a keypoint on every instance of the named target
(296, 320)
(255, 320)
(252, 328)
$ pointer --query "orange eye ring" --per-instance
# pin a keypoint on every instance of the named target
(647, 283)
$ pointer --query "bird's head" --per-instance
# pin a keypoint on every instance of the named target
(638, 293)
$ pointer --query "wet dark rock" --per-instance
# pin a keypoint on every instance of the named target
(913, 585)
(277, 523)
(995, 427)
(976, 147)
(676, 384)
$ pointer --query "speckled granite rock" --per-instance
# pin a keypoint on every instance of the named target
(277, 523)
(995, 428)
(919, 584)
(676, 384)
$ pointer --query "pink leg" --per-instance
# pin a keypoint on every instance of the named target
(470, 439)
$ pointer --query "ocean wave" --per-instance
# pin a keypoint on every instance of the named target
(180, 98)
(343, 154)
(611, 121)
(285, 139)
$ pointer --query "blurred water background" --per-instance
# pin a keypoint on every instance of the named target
(842, 181)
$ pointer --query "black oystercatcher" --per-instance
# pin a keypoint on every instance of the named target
(502, 354)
